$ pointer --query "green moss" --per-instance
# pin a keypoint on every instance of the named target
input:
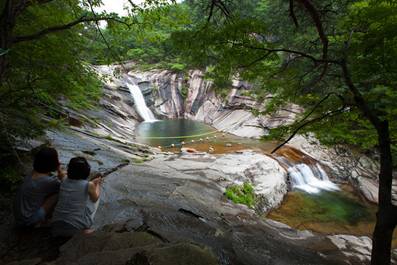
(243, 194)
(109, 137)
(184, 91)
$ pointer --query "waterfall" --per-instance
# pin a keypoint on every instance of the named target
(140, 104)
(311, 179)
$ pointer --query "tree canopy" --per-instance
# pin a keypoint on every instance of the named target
(334, 58)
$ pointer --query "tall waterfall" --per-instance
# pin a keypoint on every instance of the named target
(140, 104)
(309, 178)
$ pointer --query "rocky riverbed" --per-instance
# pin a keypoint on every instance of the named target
(166, 208)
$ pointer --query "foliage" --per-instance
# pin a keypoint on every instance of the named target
(10, 177)
(147, 41)
(243, 194)
(41, 72)
(255, 43)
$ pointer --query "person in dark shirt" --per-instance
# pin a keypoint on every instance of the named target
(38, 195)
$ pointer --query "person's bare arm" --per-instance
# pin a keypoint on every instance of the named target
(94, 189)
(61, 174)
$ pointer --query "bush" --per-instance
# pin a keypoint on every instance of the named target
(243, 194)
(10, 178)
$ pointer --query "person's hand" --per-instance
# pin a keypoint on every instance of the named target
(61, 173)
(98, 180)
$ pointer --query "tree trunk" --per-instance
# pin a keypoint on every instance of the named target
(386, 215)
(5, 38)
(382, 238)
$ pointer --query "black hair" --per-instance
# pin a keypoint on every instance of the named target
(78, 168)
(46, 160)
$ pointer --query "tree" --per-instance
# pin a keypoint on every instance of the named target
(335, 58)
(44, 54)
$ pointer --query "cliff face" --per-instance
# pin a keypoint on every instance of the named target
(171, 95)
(193, 97)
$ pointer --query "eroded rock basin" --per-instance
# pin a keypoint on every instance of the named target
(338, 212)
(154, 211)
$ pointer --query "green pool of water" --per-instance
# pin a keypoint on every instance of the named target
(333, 206)
(326, 212)
(196, 135)
(167, 132)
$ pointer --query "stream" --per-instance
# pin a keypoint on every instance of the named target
(314, 203)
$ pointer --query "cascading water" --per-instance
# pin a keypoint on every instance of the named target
(140, 104)
(303, 177)
(309, 178)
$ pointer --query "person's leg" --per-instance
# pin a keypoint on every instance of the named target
(92, 208)
(49, 205)
(36, 219)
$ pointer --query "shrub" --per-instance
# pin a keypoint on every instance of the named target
(243, 194)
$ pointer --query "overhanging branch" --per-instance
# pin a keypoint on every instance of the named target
(57, 28)
(303, 54)
(314, 14)
(292, 13)
(328, 114)
(304, 122)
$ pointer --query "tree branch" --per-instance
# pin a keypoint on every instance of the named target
(328, 114)
(308, 115)
(307, 4)
(104, 39)
(292, 13)
(314, 59)
(211, 11)
(57, 28)
(313, 12)
(220, 5)
(358, 98)
(256, 60)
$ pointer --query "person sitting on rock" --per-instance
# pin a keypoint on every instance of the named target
(37, 196)
(78, 200)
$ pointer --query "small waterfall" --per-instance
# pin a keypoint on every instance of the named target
(311, 179)
(140, 104)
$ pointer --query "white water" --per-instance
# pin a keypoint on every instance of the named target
(304, 178)
(140, 104)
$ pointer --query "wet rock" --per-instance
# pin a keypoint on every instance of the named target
(74, 121)
(188, 150)
(357, 248)
(201, 103)
(35, 261)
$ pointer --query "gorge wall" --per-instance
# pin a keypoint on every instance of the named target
(191, 96)
(176, 95)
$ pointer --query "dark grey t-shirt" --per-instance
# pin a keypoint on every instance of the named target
(31, 196)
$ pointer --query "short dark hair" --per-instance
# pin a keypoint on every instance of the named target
(78, 168)
(46, 160)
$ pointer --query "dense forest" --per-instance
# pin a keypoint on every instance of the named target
(336, 59)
